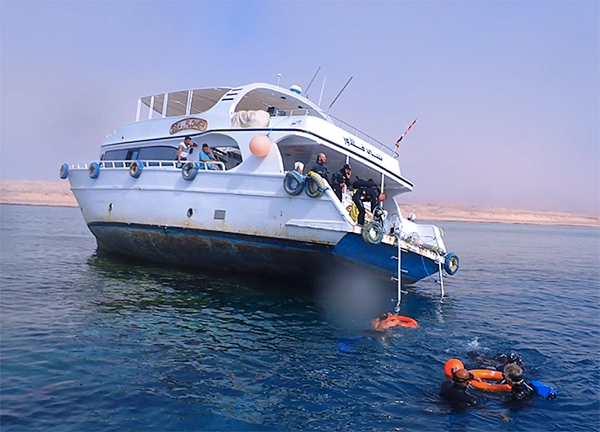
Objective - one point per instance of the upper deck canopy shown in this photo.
(181, 103)
(251, 97)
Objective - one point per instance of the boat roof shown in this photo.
(256, 96)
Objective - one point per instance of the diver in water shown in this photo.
(523, 389)
(455, 391)
(382, 323)
(499, 361)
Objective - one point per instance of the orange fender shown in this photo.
(401, 321)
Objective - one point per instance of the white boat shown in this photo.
(244, 212)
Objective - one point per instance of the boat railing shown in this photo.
(364, 136)
(146, 163)
(339, 123)
(126, 164)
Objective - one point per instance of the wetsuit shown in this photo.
(499, 361)
(457, 394)
(521, 391)
(365, 190)
(337, 179)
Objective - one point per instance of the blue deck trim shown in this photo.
(381, 258)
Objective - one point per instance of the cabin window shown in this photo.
(158, 153)
(144, 153)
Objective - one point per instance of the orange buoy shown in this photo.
(452, 365)
(260, 145)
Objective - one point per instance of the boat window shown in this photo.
(115, 155)
(144, 153)
(158, 153)
(224, 148)
(178, 102)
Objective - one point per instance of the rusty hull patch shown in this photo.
(212, 250)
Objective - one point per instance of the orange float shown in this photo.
(401, 321)
(485, 375)
(489, 375)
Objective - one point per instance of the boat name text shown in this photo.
(351, 143)
(189, 123)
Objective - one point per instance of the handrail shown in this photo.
(125, 164)
(363, 135)
(342, 125)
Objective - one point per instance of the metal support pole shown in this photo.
(441, 277)
(397, 308)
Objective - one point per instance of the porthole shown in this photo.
(190, 212)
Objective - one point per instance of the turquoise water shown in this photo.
(89, 343)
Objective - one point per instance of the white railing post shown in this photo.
(151, 107)
(139, 110)
(188, 108)
(165, 102)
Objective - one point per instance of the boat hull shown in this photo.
(220, 251)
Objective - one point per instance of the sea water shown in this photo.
(93, 343)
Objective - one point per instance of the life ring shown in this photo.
(94, 170)
(189, 171)
(64, 171)
(401, 321)
(452, 263)
(483, 374)
(489, 375)
(293, 183)
(135, 169)
(314, 185)
(372, 232)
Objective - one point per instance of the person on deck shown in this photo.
(320, 166)
(299, 167)
(206, 155)
(340, 180)
(184, 148)
(456, 392)
(366, 190)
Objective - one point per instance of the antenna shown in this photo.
(341, 91)
(322, 88)
(278, 79)
(311, 81)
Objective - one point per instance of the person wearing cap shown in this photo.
(184, 148)
(455, 391)
(341, 179)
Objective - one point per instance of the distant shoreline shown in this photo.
(57, 193)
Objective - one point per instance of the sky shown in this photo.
(506, 93)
